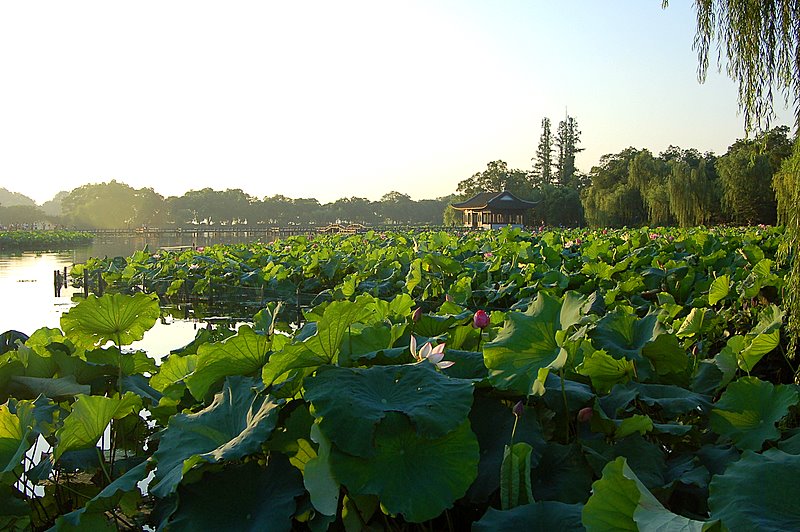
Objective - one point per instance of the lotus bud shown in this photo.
(585, 414)
(518, 409)
(480, 320)
(448, 298)
(416, 315)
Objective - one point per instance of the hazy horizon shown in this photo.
(338, 100)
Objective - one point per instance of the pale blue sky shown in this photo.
(336, 99)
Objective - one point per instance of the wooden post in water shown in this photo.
(57, 283)
(100, 284)
(65, 276)
(85, 284)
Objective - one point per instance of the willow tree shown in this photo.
(760, 42)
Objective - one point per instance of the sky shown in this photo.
(338, 99)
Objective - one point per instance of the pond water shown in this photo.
(29, 300)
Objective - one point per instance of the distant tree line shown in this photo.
(635, 187)
(115, 205)
(554, 181)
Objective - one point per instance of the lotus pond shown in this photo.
(618, 380)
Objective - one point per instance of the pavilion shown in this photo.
(493, 210)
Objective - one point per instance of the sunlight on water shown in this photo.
(29, 302)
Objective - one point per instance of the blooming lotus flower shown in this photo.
(434, 355)
(480, 320)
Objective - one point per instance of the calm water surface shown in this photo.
(29, 301)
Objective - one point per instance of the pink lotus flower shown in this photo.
(480, 320)
(585, 414)
(416, 315)
(518, 409)
(488, 255)
(434, 355)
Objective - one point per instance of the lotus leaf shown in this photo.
(233, 426)
(624, 335)
(245, 498)
(89, 418)
(757, 492)
(719, 289)
(515, 476)
(748, 410)
(242, 354)
(620, 501)
(412, 475)
(175, 368)
(352, 401)
(13, 440)
(527, 342)
(105, 501)
(606, 371)
(562, 474)
(111, 318)
(318, 476)
(541, 516)
(32, 387)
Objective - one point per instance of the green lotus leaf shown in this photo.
(105, 501)
(492, 422)
(541, 516)
(14, 441)
(624, 335)
(336, 319)
(245, 498)
(719, 289)
(233, 426)
(748, 410)
(89, 418)
(673, 400)
(527, 341)
(645, 458)
(242, 354)
(695, 323)
(631, 425)
(116, 318)
(562, 474)
(606, 371)
(135, 363)
(515, 476)
(318, 476)
(351, 402)
(323, 346)
(32, 387)
(666, 354)
(764, 337)
(757, 492)
(292, 357)
(412, 475)
(620, 501)
(175, 368)
(432, 325)
(9, 339)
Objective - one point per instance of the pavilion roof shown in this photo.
(495, 200)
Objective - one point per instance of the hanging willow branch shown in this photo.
(760, 42)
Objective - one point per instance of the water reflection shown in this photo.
(28, 295)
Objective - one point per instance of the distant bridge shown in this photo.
(255, 231)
